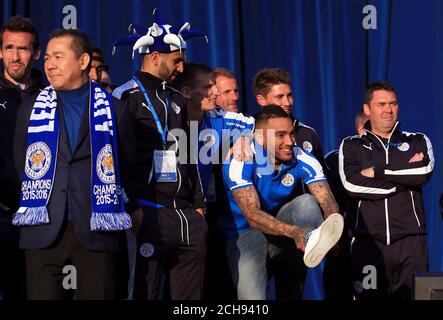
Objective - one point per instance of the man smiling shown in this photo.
(267, 220)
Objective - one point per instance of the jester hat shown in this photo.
(159, 37)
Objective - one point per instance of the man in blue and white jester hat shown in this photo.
(73, 205)
(170, 228)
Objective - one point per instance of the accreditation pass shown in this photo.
(165, 166)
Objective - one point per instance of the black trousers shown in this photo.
(95, 271)
(171, 244)
(12, 260)
(337, 274)
(218, 280)
(394, 266)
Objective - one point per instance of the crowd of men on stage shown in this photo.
(160, 189)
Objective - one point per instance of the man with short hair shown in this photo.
(69, 148)
(273, 86)
(100, 71)
(217, 130)
(227, 85)
(268, 219)
(385, 169)
(171, 229)
(19, 47)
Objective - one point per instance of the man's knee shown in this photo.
(303, 211)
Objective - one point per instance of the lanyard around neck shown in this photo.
(158, 124)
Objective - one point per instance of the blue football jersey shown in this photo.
(217, 130)
(274, 188)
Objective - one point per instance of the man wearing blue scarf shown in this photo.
(68, 144)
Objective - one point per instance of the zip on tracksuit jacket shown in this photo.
(390, 204)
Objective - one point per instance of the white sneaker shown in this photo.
(323, 239)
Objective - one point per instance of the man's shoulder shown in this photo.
(356, 143)
(118, 105)
(29, 101)
(125, 90)
(305, 128)
(306, 136)
(355, 139)
(415, 136)
(304, 157)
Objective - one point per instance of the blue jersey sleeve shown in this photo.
(236, 125)
(233, 120)
(310, 169)
(238, 174)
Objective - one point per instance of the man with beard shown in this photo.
(19, 47)
(269, 220)
(170, 228)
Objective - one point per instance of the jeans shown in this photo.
(248, 254)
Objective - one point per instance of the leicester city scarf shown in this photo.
(41, 156)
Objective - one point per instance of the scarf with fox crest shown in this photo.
(107, 203)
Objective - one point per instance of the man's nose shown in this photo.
(215, 90)
(180, 66)
(289, 141)
(17, 55)
(286, 101)
(233, 95)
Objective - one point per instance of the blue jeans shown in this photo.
(248, 253)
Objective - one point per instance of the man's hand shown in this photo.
(299, 237)
(137, 219)
(201, 211)
(241, 150)
(417, 157)
(369, 172)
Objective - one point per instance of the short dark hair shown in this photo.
(98, 53)
(21, 24)
(375, 86)
(80, 42)
(189, 74)
(266, 78)
(270, 111)
(223, 72)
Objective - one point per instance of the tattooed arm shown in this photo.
(249, 203)
(322, 193)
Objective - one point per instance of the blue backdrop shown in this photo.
(323, 43)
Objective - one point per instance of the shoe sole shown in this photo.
(330, 232)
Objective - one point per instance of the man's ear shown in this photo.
(84, 60)
(261, 100)
(155, 58)
(366, 110)
(186, 92)
(37, 53)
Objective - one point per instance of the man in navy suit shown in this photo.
(67, 238)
